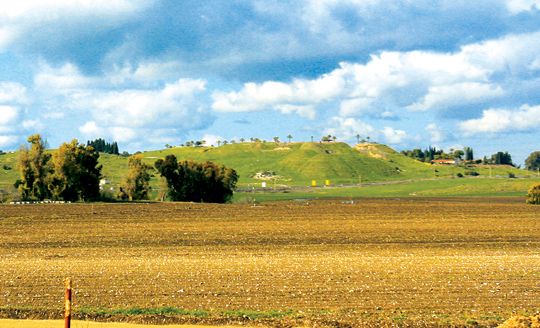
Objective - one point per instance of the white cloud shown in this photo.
(41, 18)
(64, 80)
(29, 7)
(91, 130)
(137, 108)
(436, 133)
(516, 6)
(392, 136)
(8, 114)
(303, 111)
(212, 139)
(123, 134)
(346, 129)
(460, 93)
(352, 107)
(12, 92)
(33, 124)
(300, 93)
(125, 115)
(502, 121)
(7, 141)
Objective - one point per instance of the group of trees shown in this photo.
(432, 153)
(467, 154)
(500, 158)
(532, 163)
(104, 147)
(71, 173)
(197, 182)
(136, 186)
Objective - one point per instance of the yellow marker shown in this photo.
(313, 183)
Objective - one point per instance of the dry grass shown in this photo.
(377, 262)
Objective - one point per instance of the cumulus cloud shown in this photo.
(437, 134)
(12, 92)
(516, 6)
(9, 114)
(124, 115)
(393, 136)
(8, 119)
(458, 94)
(503, 121)
(347, 128)
(251, 40)
(476, 75)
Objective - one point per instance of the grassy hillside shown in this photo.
(296, 164)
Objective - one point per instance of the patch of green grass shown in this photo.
(142, 311)
(271, 314)
(472, 187)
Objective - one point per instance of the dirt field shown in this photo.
(378, 262)
(10, 323)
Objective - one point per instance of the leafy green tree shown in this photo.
(76, 173)
(34, 168)
(458, 153)
(532, 163)
(289, 137)
(501, 158)
(136, 186)
(533, 196)
(197, 182)
(469, 154)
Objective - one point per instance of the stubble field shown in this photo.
(378, 262)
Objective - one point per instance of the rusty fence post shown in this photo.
(68, 303)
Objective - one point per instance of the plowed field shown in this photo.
(376, 262)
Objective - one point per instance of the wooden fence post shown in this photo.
(68, 303)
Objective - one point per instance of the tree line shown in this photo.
(104, 147)
(467, 155)
(72, 173)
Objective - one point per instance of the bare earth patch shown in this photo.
(379, 262)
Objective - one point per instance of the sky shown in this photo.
(149, 73)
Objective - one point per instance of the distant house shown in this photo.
(444, 161)
(104, 181)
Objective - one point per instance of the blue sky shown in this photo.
(146, 73)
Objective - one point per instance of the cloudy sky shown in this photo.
(145, 73)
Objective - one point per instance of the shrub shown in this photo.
(459, 175)
(471, 173)
(533, 196)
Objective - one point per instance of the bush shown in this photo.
(472, 173)
(459, 175)
(533, 196)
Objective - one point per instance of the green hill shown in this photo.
(293, 164)
(298, 164)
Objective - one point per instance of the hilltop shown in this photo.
(290, 164)
(298, 164)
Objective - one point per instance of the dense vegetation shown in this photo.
(190, 181)
(104, 147)
(71, 173)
